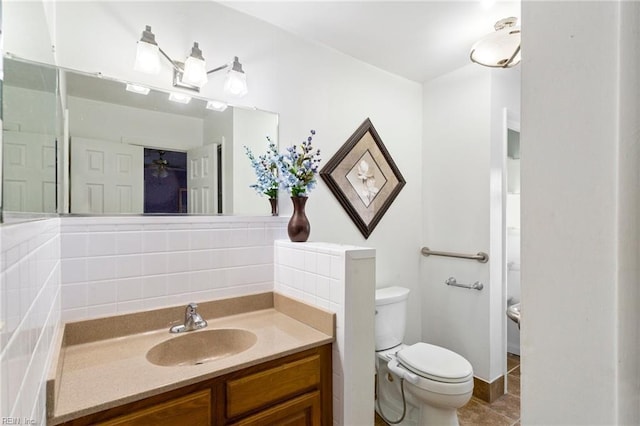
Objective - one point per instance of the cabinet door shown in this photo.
(301, 411)
(193, 410)
(264, 388)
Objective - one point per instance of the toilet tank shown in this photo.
(391, 316)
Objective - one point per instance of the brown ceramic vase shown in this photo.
(299, 227)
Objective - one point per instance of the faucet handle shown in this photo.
(192, 320)
(189, 312)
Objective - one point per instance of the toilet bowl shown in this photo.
(435, 381)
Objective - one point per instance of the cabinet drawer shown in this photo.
(193, 409)
(301, 411)
(272, 385)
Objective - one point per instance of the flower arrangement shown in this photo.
(295, 171)
(266, 167)
(299, 167)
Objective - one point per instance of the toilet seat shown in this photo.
(429, 385)
(435, 363)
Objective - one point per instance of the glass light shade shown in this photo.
(236, 83)
(195, 72)
(216, 105)
(141, 90)
(179, 98)
(497, 49)
(147, 58)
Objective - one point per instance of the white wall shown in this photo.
(580, 139)
(628, 227)
(250, 128)
(117, 123)
(27, 29)
(310, 86)
(29, 315)
(463, 145)
(457, 117)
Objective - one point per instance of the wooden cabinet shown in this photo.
(193, 409)
(275, 384)
(301, 411)
(294, 391)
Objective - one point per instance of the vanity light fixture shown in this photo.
(236, 82)
(500, 49)
(147, 58)
(192, 74)
(180, 98)
(216, 106)
(141, 90)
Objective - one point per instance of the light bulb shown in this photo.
(236, 83)
(147, 58)
(147, 53)
(195, 68)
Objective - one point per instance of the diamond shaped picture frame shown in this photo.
(363, 177)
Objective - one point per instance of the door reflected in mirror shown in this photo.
(125, 150)
(30, 128)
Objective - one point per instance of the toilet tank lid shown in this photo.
(387, 295)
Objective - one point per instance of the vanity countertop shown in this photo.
(102, 363)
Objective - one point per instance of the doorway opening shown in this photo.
(165, 181)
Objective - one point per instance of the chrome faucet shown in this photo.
(192, 320)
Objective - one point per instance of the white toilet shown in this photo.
(437, 381)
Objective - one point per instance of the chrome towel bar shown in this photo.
(480, 257)
(475, 286)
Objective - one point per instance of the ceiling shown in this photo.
(418, 40)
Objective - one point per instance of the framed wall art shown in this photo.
(363, 177)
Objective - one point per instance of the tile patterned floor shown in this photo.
(505, 411)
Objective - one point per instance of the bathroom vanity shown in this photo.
(263, 359)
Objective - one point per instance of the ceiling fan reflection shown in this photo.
(160, 167)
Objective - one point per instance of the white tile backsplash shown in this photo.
(101, 268)
(101, 292)
(126, 242)
(340, 279)
(29, 314)
(142, 262)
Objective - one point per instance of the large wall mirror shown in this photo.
(31, 128)
(86, 144)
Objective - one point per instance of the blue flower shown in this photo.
(299, 167)
(266, 167)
